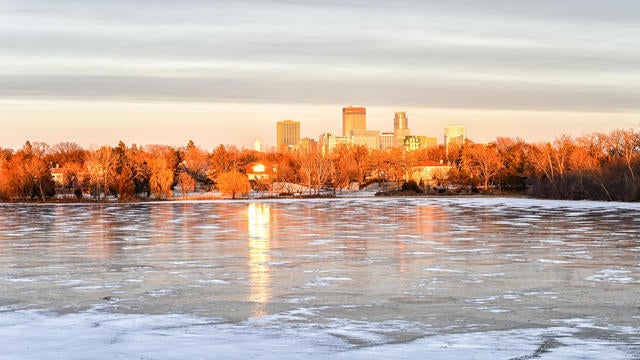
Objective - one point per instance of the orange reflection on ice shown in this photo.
(258, 218)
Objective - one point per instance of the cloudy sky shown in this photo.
(159, 71)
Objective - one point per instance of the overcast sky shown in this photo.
(158, 71)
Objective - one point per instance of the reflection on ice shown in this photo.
(259, 218)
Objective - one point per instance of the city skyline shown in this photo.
(96, 73)
(211, 134)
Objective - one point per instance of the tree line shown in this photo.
(595, 166)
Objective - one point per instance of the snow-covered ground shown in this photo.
(100, 335)
(355, 278)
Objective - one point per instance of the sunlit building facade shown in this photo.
(400, 127)
(416, 142)
(368, 138)
(288, 134)
(260, 171)
(429, 141)
(308, 145)
(387, 140)
(454, 135)
(353, 118)
(323, 143)
(430, 173)
(412, 143)
(258, 145)
(336, 141)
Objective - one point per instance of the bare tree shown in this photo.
(101, 166)
(222, 160)
(625, 144)
(315, 169)
(482, 162)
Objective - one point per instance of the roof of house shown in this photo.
(256, 167)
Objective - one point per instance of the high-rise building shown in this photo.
(454, 135)
(323, 143)
(308, 145)
(400, 127)
(415, 142)
(428, 142)
(368, 138)
(387, 140)
(288, 134)
(353, 118)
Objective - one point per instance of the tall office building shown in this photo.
(308, 144)
(400, 127)
(288, 135)
(454, 135)
(387, 140)
(323, 143)
(353, 118)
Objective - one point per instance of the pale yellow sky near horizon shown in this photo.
(95, 123)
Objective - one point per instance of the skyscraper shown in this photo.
(400, 120)
(353, 118)
(288, 134)
(400, 127)
(454, 135)
(323, 143)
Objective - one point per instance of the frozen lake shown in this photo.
(482, 278)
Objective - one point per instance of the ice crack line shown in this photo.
(546, 345)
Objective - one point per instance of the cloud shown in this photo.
(496, 53)
(276, 89)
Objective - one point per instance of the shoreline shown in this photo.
(352, 195)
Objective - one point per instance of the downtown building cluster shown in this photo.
(354, 131)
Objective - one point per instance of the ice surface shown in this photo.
(350, 278)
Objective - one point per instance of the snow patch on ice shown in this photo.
(161, 292)
(326, 281)
(615, 275)
(593, 324)
(108, 336)
(489, 274)
(214, 281)
(301, 300)
(438, 269)
(549, 261)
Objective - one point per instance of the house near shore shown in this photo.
(430, 173)
(57, 174)
(257, 171)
